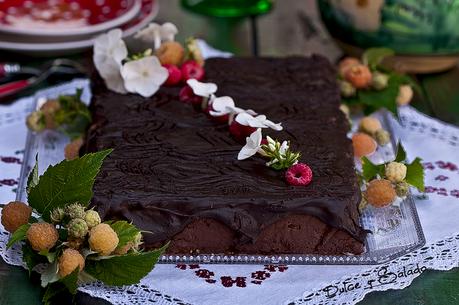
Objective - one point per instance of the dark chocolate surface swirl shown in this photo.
(171, 165)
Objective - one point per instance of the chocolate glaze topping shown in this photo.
(172, 165)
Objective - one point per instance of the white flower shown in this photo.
(259, 121)
(144, 76)
(155, 33)
(252, 146)
(202, 89)
(109, 51)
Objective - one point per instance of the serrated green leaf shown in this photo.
(415, 174)
(386, 98)
(370, 170)
(31, 258)
(66, 182)
(52, 295)
(71, 281)
(49, 275)
(126, 232)
(33, 178)
(125, 269)
(401, 153)
(55, 292)
(18, 235)
(374, 56)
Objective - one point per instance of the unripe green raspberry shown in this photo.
(346, 88)
(402, 189)
(57, 215)
(36, 121)
(77, 228)
(382, 137)
(395, 172)
(92, 218)
(379, 80)
(75, 210)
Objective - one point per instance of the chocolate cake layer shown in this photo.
(174, 172)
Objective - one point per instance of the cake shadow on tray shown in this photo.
(174, 172)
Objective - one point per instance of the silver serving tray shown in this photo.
(396, 228)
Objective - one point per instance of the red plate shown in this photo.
(65, 17)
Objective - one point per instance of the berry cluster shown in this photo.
(369, 135)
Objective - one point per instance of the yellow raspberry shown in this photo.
(49, 110)
(395, 171)
(347, 63)
(42, 236)
(382, 137)
(405, 94)
(380, 193)
(72, 150)
(369, 125)
(364, 145)
(15, 214)
(69, 261)
(170, 52)
(92, 218)
(103, 239)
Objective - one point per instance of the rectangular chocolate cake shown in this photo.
(175, 173)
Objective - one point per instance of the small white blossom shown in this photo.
(144, 76)
(155, 33)
(252, 146)
(259, 121)
(109, 52)
(202, 89)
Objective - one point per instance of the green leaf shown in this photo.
(370, 170)
(374, 56)
(415, 174)
(125, 269)
(31, 258)
(66, 182)
(18, 235)
(49, 275)
(401, 153)
(71, 281)
(126, 232)
(33, 178)
(386, 98)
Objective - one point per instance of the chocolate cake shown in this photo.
(174, 172)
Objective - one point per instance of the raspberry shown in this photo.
(92, 218)
(379, 80)
(346, 89)
(74, 243)
(192, 69)
(77, 228)
(369, 125)
(359, 76)
(49, 110)
(69, 261)
(380, 193)
(346, 63)
(170, 52)
(103, 239)
(405, 94)
(133, 244)
(364, 145)
(402, 189)
(382, 137)
(175, 75)
(72, 150)
(57, 215)
(42, 236)
(75, 210)
(240, 132)
(36, 121)
(187, 95)
(15, 214)
(298, 174)
(395, 171)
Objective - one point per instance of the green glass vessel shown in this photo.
(228, 8)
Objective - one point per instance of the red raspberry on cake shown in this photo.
(187, 95)
(191, 69)
(175, 75)
(298, 174)
(240, 132)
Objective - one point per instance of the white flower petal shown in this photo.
(202, 89)
(109, 70)
(143, 76)
(252, 145)
(221, 106)
(111, 45)
(246, 119)
(168, 31)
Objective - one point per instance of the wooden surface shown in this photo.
(293, 28)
